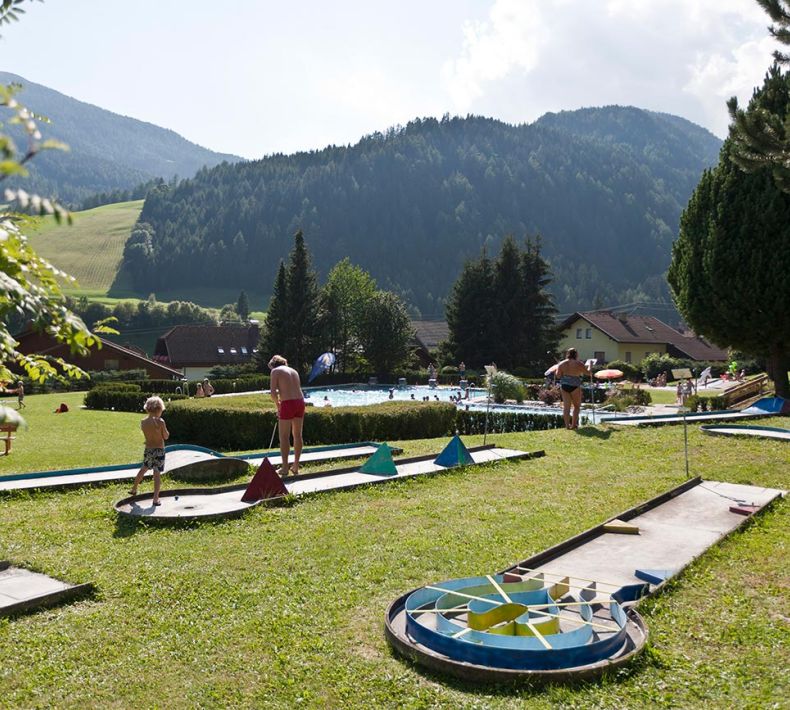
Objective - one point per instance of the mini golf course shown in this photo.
(764, 432)
(266, 486)
(569, 612)
(179, 456)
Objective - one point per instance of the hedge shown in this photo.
(121, 400)
(700, 403)
(238, 429)
(473, 422)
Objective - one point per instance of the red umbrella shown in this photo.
(609, 374)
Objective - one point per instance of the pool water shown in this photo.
(361, 395)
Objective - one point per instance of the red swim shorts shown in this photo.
(291, 409)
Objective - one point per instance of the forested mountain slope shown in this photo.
(108, 151)
(604, 187)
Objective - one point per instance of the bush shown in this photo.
(98, 376)
(248, 383)
(550, 395)
(117, 387)
(700, 403)
(239, 429)
(622, 399)
(655, 364)
(505, 386)
(121, 400)
(473, 422)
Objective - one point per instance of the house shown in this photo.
(427, 336)
(110, 356)
(608, 336)
(195, 349)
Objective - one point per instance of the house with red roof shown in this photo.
(608, 336)
(195, 349)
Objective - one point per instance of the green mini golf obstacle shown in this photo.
(454, 454)
(380, 463)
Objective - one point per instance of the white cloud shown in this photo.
(677, 56)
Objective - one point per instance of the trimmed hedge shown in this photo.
(238, 429)
(121, 400)
(700, 403)
(117, 387)
(473, 422)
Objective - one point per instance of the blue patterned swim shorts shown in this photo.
(154, 459)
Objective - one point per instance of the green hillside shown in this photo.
(91, 249)
(108, 152)
(603, 187)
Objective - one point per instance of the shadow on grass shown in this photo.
(529, 687)
(593, 432)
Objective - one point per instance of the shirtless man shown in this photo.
(286, 391)
(155, 433)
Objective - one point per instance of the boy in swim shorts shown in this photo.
(155, 433)
(286, 391)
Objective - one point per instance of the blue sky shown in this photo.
(258, 77)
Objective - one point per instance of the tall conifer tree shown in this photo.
(301, 305)
(273, 337)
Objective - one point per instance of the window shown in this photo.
(578, 333)
(628, 356)
(588, 334)
(233, 351)
(111, 364)
(600, 356)
(221, 351)
(243, 349)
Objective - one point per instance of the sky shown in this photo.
(254, 77)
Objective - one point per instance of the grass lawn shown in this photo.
(285, 606)
(92, 247)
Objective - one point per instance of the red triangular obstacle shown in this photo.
(264, 484)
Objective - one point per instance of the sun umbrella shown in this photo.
(321, 365)
(610, 374)
(552, 370)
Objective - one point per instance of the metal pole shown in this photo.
(686, 443)
(488, 404)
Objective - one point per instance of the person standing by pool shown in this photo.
(286, 391)
(570, 372)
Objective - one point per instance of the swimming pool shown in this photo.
(362, 395)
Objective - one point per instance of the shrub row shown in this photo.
(701, 403)
(231, 429)
(473, 422)
(121, 400)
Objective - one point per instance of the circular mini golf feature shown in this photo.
(504, 627)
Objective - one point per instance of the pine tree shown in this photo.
(243, 307)
(273, 335)
(538, 332)
(471, 314)
(510, 305)
(301, 305)
(730, 270)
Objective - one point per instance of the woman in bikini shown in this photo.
(570, 372)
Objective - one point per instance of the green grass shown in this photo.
(91, 249)
(285, 606)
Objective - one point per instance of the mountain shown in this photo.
(603, 187)
(108, 152)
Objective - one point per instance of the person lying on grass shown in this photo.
(155, 433)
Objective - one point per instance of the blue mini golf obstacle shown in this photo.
(454, 454)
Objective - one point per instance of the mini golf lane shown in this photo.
(690, 418)
(568, 613)
(178, 456)
(765, 432)
(207, 503)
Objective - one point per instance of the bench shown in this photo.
(7, 436)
